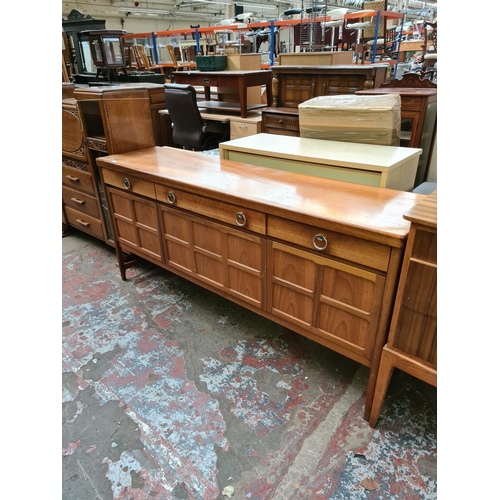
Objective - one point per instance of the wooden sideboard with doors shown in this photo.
(318, 256)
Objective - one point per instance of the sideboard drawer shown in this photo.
(228, 213)
(357, 250)
(84, 222)
(77, 179)
(80, 201)
(282, 124)
(129, 183)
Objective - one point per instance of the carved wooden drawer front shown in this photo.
(228, 259)
(84, 222)
(336, 301)
(367, 253)
(273, 123)
(129, 183)
(136, 221)
(80, 201)
(77, 179)
(228, 213)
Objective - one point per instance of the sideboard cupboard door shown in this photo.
(228, 259)
(327, 298)
(136, 224)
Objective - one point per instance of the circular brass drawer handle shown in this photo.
(240, 219)
(171, 197)
(320, 242)
(126, 183)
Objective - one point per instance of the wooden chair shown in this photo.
(177, 64)
(429, 57)
(142, 60)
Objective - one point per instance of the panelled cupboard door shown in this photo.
(329, 298)
(225, 258)
(136, 223)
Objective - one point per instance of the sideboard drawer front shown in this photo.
(77, 179)
(359, 251)
(273, 123)
(80, 201)
(84, 222)
(129, 183)
(220, 211)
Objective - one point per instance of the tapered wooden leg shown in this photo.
(386, 368)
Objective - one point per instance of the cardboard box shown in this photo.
(352, 118)
(316, 58)
(237, 62)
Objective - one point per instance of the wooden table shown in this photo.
(369, 164)
(412, 343)
(239, 79)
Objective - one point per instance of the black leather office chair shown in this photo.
(189, 130)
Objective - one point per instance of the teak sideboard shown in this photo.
(318, 256)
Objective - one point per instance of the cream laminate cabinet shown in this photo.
(369, 164)
(305, 252)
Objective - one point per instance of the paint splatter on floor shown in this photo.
(172, 392)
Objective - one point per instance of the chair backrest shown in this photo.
(171, 53)
(187, 124)
(141, 57)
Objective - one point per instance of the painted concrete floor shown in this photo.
(171, 392)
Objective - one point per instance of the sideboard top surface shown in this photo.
(324, 152)
(364, 211)
(425, 212)
(332, 68)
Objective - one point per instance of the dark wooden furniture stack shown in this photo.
(304, 251)
(418, 115)
(412, 343)
(292, 85)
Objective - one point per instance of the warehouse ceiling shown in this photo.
(217, 11)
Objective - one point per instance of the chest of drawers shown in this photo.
(81, 207)
(318, 256)
(412, 342)
(293, 84)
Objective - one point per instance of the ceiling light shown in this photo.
(256, 5)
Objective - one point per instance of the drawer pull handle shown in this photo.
(243, 126)
(320, 242)
(71, 178)
(171, 197)
(76, 200)
(280, 122)
(126, 183)
(240, 219)
(83, 223)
